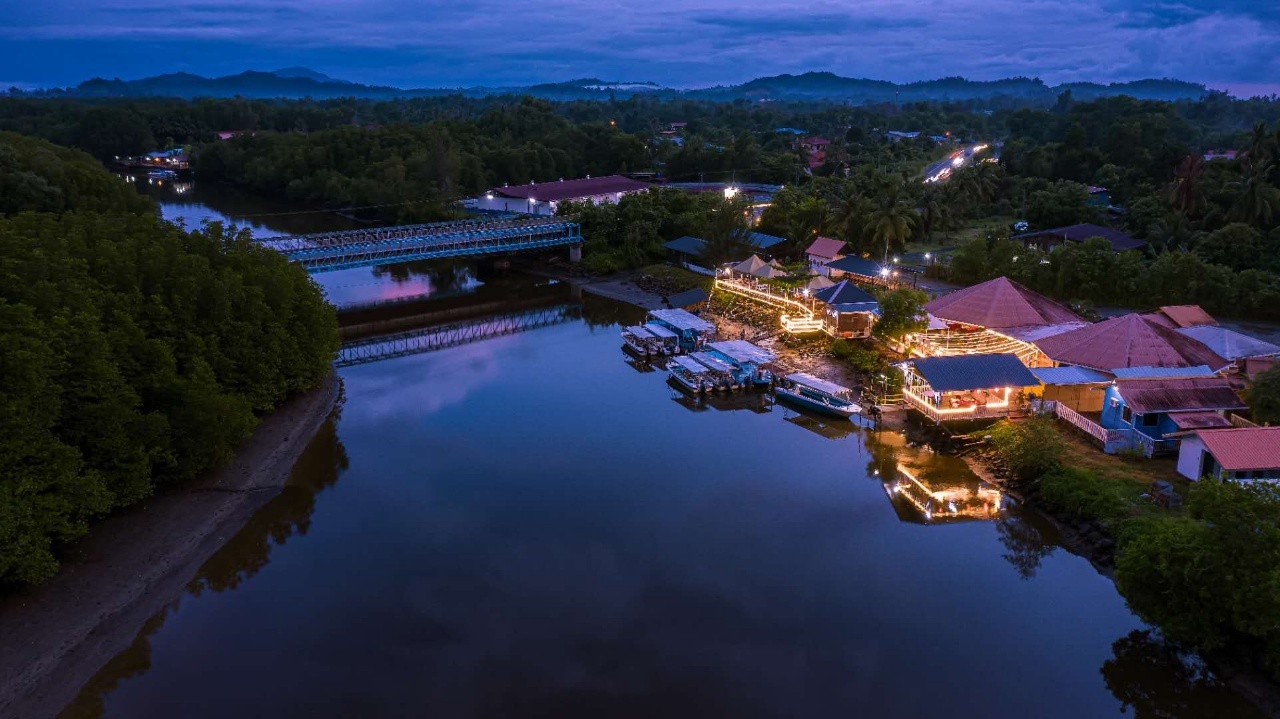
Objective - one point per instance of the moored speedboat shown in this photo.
(722, 373)
(664, 340)
(639, 340)
(818, 395)
(691, 375)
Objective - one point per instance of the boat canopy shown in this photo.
(659, 331)
(743, 351)
(682, 320)
(821, 385)
(643, 333)
(690, 364)
(713, 363)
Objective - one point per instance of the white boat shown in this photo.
(665, 340)
(640, 340)
(817, 394)
(691, 375)
(723, 372)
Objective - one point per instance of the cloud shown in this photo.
(681, 43)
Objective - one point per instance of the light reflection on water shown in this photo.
(528, 526)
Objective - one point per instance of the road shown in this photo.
(942, 169)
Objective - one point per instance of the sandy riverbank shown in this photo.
(55, 637)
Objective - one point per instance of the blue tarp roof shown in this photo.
(1068, 375)
(763, 241)
(970, 372)
(688, 245)
(844, 293)
(857, 266)
(1203, 370)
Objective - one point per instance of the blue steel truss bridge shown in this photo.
(453, 334)
(330, 251)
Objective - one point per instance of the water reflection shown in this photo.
(1028, 538)
(749, 401)
(244, 555)
(1156, 681)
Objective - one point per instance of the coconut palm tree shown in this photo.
(892, 220)
(1257, 200)
(1186, 195)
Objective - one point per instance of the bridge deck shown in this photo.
(385, 245)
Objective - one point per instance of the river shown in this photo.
(534, 525)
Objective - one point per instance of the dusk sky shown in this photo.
(1227, 44)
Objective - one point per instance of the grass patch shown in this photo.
(1127, 478)
(678, 276)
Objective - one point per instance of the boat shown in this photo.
(640, 340)
(665, 340)
(691, 330)
(818, 395)
(723, 373)
(691, 375)
(751, 362)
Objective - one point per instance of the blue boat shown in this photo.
(691, 330)
(691, 375)
(818, 395)
(750, 362)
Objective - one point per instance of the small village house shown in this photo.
(847, 310)
(823, 251)
(1244, 454)
(1161, 407)
(1128, 341)
(964, 387)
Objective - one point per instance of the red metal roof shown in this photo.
(1127, 341)
(1000, 303)
(1178, 395)
(1175, 316)
(1244, 449)
(572, 189)
(825, 247)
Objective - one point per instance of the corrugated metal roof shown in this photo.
(1162, 372)
(712, 362)
(688, 245)
(695, 296)
(1199, 420)
(743, 351)
(1120, 241)
(1031, 333)
(572, 189)
(825, 247)
(844, 293)
(1188, 315)
(1244, 449)
(1068, 375)
(763, 241)
(1230, 344)
(857, 266)
(1127, 341)
(1001, 303)
(1178, 395)
(682, 320)
(968, 372)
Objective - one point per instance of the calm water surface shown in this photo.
(532, 525)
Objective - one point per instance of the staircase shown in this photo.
(797, 318)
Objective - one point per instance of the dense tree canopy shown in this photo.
(132, 353)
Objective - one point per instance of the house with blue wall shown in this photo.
(1161, 407)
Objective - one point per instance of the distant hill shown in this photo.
(299, 82)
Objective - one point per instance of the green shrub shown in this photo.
(1082, 493)
(859, 355)
(602, 263)
(1211, 580)
(1029, 448)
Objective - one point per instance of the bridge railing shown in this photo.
(513, 239)
(383, 234)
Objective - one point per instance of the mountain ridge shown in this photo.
(302, 82)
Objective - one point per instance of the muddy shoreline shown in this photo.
(55, 637)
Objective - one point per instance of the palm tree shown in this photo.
(932, 212)
(892, 220)
(1186, 194)
(1257, 201)
(850, 216)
